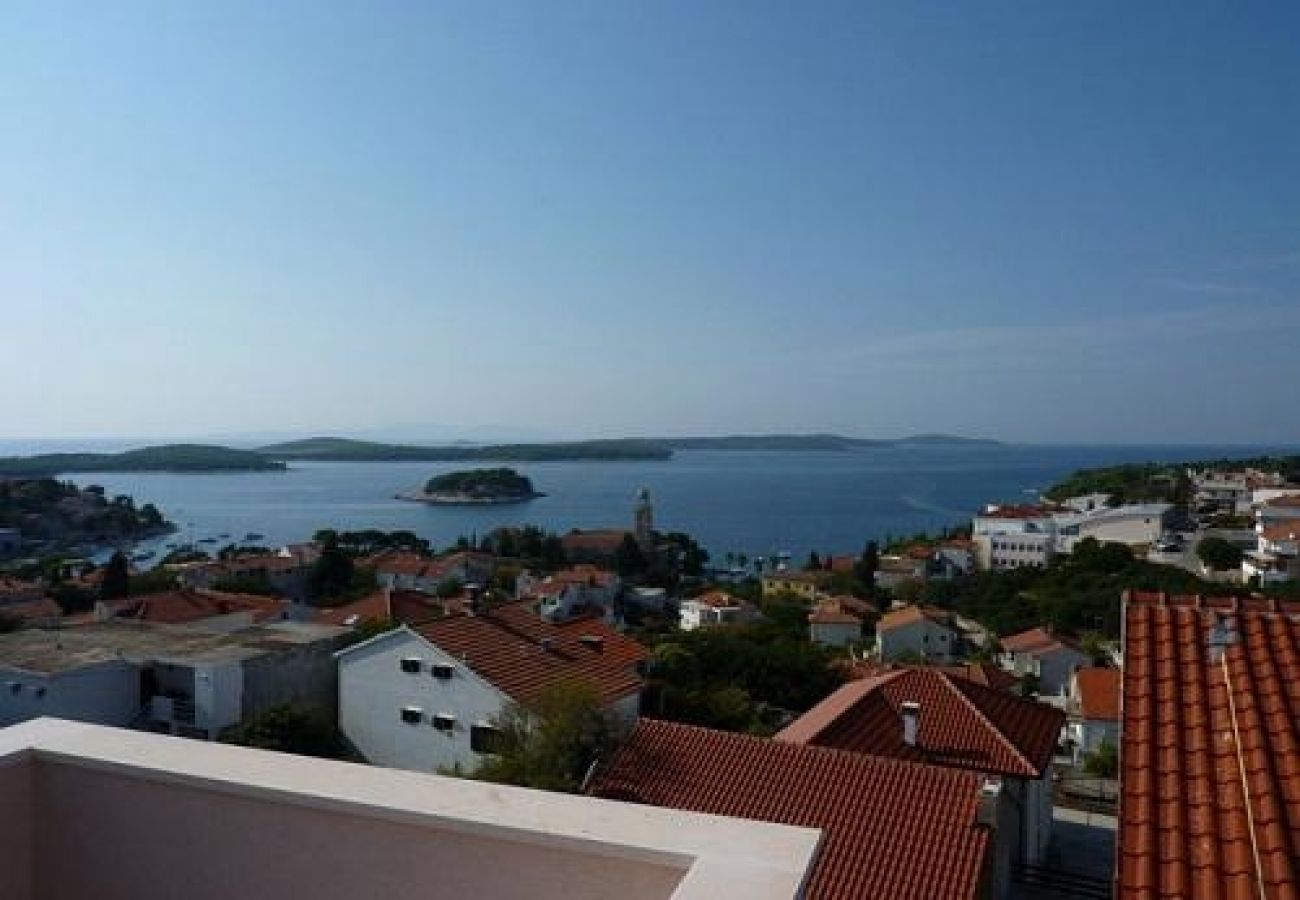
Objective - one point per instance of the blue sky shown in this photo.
(1034, 221)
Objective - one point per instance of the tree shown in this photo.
(331, 576)
(868, 564)
(291, 729)
(814, 562)
(117, 578)
(552, 742)
(628, 558)
(1218, 554)
(1104, 762)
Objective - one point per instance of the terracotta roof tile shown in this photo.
(909, 615)
(962, 724)
(521, 654)
(1210, 780)
(185, 605)
(1035, 642)
(890, 829)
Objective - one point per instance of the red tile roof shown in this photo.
(1210, 774)
(374, 607)
(910, 615)
(402, 562)
(38, 609)
(1035, 642)
(1287, 530)
(829, 614)
(1098, 693)
(962, 724)
(599, 543)
(185, 605)
(521, 654)
(986, 674)
(890, 829)
(719, 600)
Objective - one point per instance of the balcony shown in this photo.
(89, 811)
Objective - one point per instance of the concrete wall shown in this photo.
(305, 675)
(114, 837)
(107, 694)
(16, 834)
(373, 690)
(931, 641)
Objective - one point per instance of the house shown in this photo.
(919, 633)
(427, 697)
(40, 611)
(203, 609)
(1092, 707)
(1209, 784)
(599, 547)
(1276, 557)
(1134, 525)
(174, 679)
(894, 570)
(1015, 535)
(403, 570)
(95, 812)
(902, 830)
(714, 608)
(804, 585)
(837, 621)
(925, 715)
(19, 590)
(578, 590)
(1049, 658)
(956, 557)
(287, 575)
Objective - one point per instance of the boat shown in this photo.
(207, 540)
(253, 536)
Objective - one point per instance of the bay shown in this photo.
(757, 503)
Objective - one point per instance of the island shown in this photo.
(52, 514)
(476, 486)
(337, 449)
(162, 458)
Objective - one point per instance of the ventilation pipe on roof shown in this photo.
(990, 798)
(911, 711)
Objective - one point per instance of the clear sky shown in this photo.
(1044, 221)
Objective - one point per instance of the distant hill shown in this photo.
(162, 458)
(334, 449)
(940, 439)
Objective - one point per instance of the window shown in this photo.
(411, 665)
(484, 738)
(444, 721)
(412, 715)
(442, 670)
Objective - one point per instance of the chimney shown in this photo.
(911, 711)
(990, 798)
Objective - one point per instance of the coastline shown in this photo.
(450, 499)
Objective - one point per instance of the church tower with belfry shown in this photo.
(644, 523)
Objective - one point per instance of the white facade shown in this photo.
(926, 638)
(835, 634)
(106, 694)
(1014, 550)
(383, 680)
(406, 703)
(1052, 667)
(695, 614)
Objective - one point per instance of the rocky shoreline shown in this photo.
(442, 498)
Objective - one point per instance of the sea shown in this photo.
(758, 503)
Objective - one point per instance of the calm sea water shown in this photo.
(752, 502)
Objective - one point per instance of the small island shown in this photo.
(476, 486)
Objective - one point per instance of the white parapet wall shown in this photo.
(87, 810)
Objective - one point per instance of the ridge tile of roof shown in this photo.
(1210, 748)
(962, 724)
(890, 829)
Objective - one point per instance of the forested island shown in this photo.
(474, 486)
(162, 458)
(46, 511)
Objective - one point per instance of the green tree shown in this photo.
(1218, 554)
(291, 729)
(117, 578)
(628, 558)
(331, 575)
(868, 564)
(552, 742)
(1104, 762)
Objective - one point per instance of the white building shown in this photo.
(917, 632)
(1017, 536)
(428, 698)
(1092, 710)
(407, 571)
(166, 678)
(837, 622)
(1135, 525)
(1046, 657)
(578, 590)
(713, 609)
(1276, 557)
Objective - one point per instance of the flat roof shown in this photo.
(52, 650)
